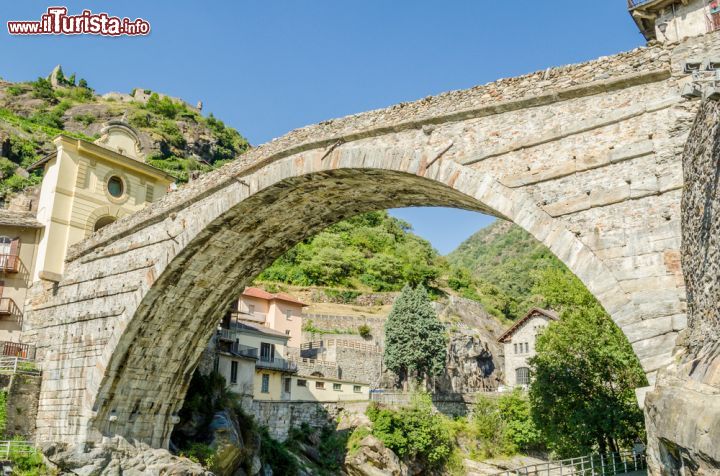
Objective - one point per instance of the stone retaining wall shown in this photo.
(280, 416)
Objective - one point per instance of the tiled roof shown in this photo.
(262, 294)
(20, 219)
(552, 315)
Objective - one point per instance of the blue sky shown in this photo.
(268, 66)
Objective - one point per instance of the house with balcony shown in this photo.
(278, 311)
(253, 360)
(86, 185)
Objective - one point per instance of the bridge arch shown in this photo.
(138, 383)
(589, 167)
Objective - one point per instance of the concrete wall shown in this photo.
(245, 384)
(683, 21)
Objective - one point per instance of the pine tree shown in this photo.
(415, 340)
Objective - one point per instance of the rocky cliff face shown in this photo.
(683, 412)
(474, 361)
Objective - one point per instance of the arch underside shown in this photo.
(176, 318)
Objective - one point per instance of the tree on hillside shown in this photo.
(415, 340)
(584, 374)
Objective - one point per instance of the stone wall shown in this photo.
(345, 323)
(583, 157)
(23, 393)
(279, 417)
(683, 412)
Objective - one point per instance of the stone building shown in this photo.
(674, 20)
(85, 186)
(519, 344)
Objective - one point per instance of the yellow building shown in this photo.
(89, 185)
(85, 186)
(242, 342)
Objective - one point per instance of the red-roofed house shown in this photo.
(519, 344)
(280, 312)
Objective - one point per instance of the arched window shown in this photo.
(103, 221)
(522, 376)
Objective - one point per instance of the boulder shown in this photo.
(372, 458)
(227, 442)
(118, 456)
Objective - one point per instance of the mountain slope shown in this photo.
(507, 259)
(174, 135)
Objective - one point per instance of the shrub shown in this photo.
(414, 432)
(164, 106)
(23, 151)
(200, 453)
(142, 118)
(42, 89)
(364, 331)
(172, 135)
(7, 167)
(15, 90)
(276, 455)
(85, 119)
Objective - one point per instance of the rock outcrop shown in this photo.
(372, 458)
(683, 412)
(118, 456)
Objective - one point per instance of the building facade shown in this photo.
(519, 345)
(279, 311)
(253, 360)
(85, 186)
(674, 20)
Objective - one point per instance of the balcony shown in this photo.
(243, 350)
(276, 363)
(9, 308)
(636, 3)
(259, 317)
(9, 263)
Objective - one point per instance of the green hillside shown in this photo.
(176, 137)
(505, 263)
(371, 251)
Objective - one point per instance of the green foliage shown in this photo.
(32, 127)
(23, 151)
(83, 84)
(15, 90)
(53, 117)
(372, 249)
(584, 374)
(308, 326)
(42, 89)
(276, 455)
(199, 453)
(85, 119)
(342, 296)
(165, 106)
(364, 331)
(413, 433)
(27, 461)
(178, 167)
(520, 432)
(229, 141)
(140, 118)
(504, 261)
(353, 443)
(7, 167)
(415, 340)
(3, 411)
(172, 134)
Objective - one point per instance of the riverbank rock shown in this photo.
(118, 456)
(372, 458)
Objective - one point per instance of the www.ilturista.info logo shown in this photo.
(57, 22)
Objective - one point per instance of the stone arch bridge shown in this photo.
(584, 157)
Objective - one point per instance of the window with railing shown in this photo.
(9, 254)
